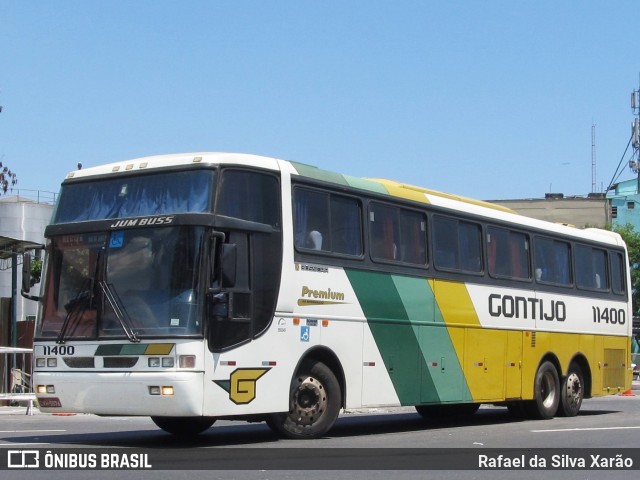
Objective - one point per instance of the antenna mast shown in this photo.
(593, 158)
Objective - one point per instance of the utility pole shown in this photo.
(634, 163)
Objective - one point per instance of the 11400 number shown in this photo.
(58, 350)
(614, 316)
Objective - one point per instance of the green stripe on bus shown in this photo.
(365, 184)
(443, 380)
(412, 337)
(332, 177)
(319, 174)
(393, 333)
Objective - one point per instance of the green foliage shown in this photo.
(36, 271)
(632, 239)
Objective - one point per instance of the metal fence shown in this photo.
(16, 386)
(37, 196)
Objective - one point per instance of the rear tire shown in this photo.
(184, 425)
(315, 400)
(546, 392)
(572, 392)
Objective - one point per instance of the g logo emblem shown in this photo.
(242, 384)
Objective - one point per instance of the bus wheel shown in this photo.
(572, 392)
(314, 403)
(546, 392)
(184, 425)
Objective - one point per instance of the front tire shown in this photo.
(314, 403)
(184, 425)
(572, 392)
(546, 392)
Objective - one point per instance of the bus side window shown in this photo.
(617, 273)
(470, 247)
(346, 225)
(250, 196)
(384, 231)
(552, 261)
(327, 222)
(413, 230)
(445, 243)
(457, 245)
(508, 253)
(311, 216)
(591, 268)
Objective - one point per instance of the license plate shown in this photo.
(50, 402)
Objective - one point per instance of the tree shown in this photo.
(632, 239)
(7, 179)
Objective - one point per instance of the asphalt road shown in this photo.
(606, 425)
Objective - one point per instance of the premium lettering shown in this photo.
(321, 294)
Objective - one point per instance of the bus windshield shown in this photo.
(130, 283)
(160, 193)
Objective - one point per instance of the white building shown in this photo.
(23, 218)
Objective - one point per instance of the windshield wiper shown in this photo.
(75, 308)
(121, 313)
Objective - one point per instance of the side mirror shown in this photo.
(228, 264)
(26, 277)
(26, 272)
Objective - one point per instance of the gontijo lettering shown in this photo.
(526, 308)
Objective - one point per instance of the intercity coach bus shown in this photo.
(206, 286)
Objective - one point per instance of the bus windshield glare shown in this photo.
(161, 193)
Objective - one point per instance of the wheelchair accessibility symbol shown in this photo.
(304, 334)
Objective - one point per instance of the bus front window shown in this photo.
(128, 283)
(153, 275)
(70, 305)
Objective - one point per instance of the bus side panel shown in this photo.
(441, 379)
(513, 365)
(616, 365)
(414, 343)
(393, 333)
(480, 351)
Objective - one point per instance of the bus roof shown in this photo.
(380, 186)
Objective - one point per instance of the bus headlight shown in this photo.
(45, 389)
(158, 390)
(167, 390)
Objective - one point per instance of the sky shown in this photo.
(490, 99)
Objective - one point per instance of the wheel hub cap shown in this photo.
(309, 401)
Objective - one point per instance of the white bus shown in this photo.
(206, 286)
